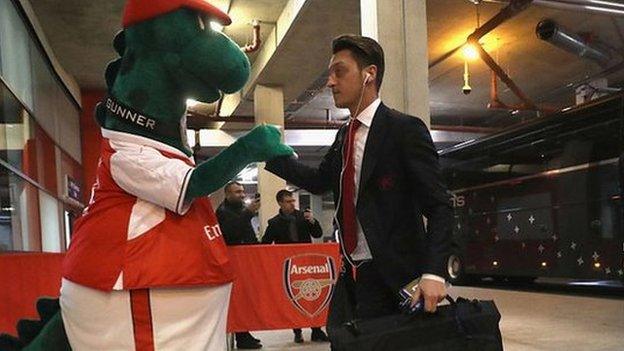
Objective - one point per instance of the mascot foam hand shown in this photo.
(261, 144)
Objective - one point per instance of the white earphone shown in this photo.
(367, 77)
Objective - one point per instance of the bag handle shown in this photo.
(460, 325)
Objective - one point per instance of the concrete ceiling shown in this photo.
(541, 70)
(80, 33)
(300, 60)
(243, 12)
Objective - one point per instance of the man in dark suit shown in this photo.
(235, 221)
(293, 226)
(235, 216)
(385, 176)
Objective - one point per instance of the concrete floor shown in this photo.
(531, 322)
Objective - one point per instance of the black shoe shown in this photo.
(245, 341)
(253, 338)
(248, 345)
(319, 336)
(246, 337)
(299, 338)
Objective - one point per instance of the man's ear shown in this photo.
(371, 74)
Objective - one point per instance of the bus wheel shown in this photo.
(455, 269)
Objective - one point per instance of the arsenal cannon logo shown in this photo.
(309, 282)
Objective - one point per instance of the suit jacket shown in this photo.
(278, 230)
(235, 222)
(400, 182)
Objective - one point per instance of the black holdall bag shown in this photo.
(466, 325)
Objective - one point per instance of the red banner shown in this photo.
(282, 286)
(277, 286)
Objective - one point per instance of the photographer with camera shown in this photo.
(294, 226)
(235, 215)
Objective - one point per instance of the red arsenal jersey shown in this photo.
(138, 230)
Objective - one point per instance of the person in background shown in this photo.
(293, 226)
(234, 218)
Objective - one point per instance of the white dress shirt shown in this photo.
(362, 251)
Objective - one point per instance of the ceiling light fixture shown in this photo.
(606, 3)
(607, 10)
(470, 53)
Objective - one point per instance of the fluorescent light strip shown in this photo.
(602, 9)
(606, 3)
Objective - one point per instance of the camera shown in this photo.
(466, 89)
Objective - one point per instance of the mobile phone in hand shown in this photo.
(406, 294)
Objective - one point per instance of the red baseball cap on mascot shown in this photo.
(141, 10)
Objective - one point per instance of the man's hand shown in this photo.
(432, 292)
(307, 214)
(254, 206)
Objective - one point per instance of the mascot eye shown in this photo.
(202, 22)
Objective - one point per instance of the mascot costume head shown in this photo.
(169, 53)
(147, 268)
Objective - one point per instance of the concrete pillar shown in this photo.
(268, 108)
(400, 26)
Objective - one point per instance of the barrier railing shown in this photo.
(277, 286)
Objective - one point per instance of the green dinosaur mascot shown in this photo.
(147, 268)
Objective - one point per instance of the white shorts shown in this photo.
(192, 319)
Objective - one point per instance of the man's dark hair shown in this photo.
(282, 194)
(365, 50)
(230, 184)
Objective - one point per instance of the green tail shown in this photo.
(51, 338)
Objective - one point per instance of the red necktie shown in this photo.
(349, 224)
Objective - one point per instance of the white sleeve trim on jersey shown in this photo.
(183, 204)
(145, 173)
